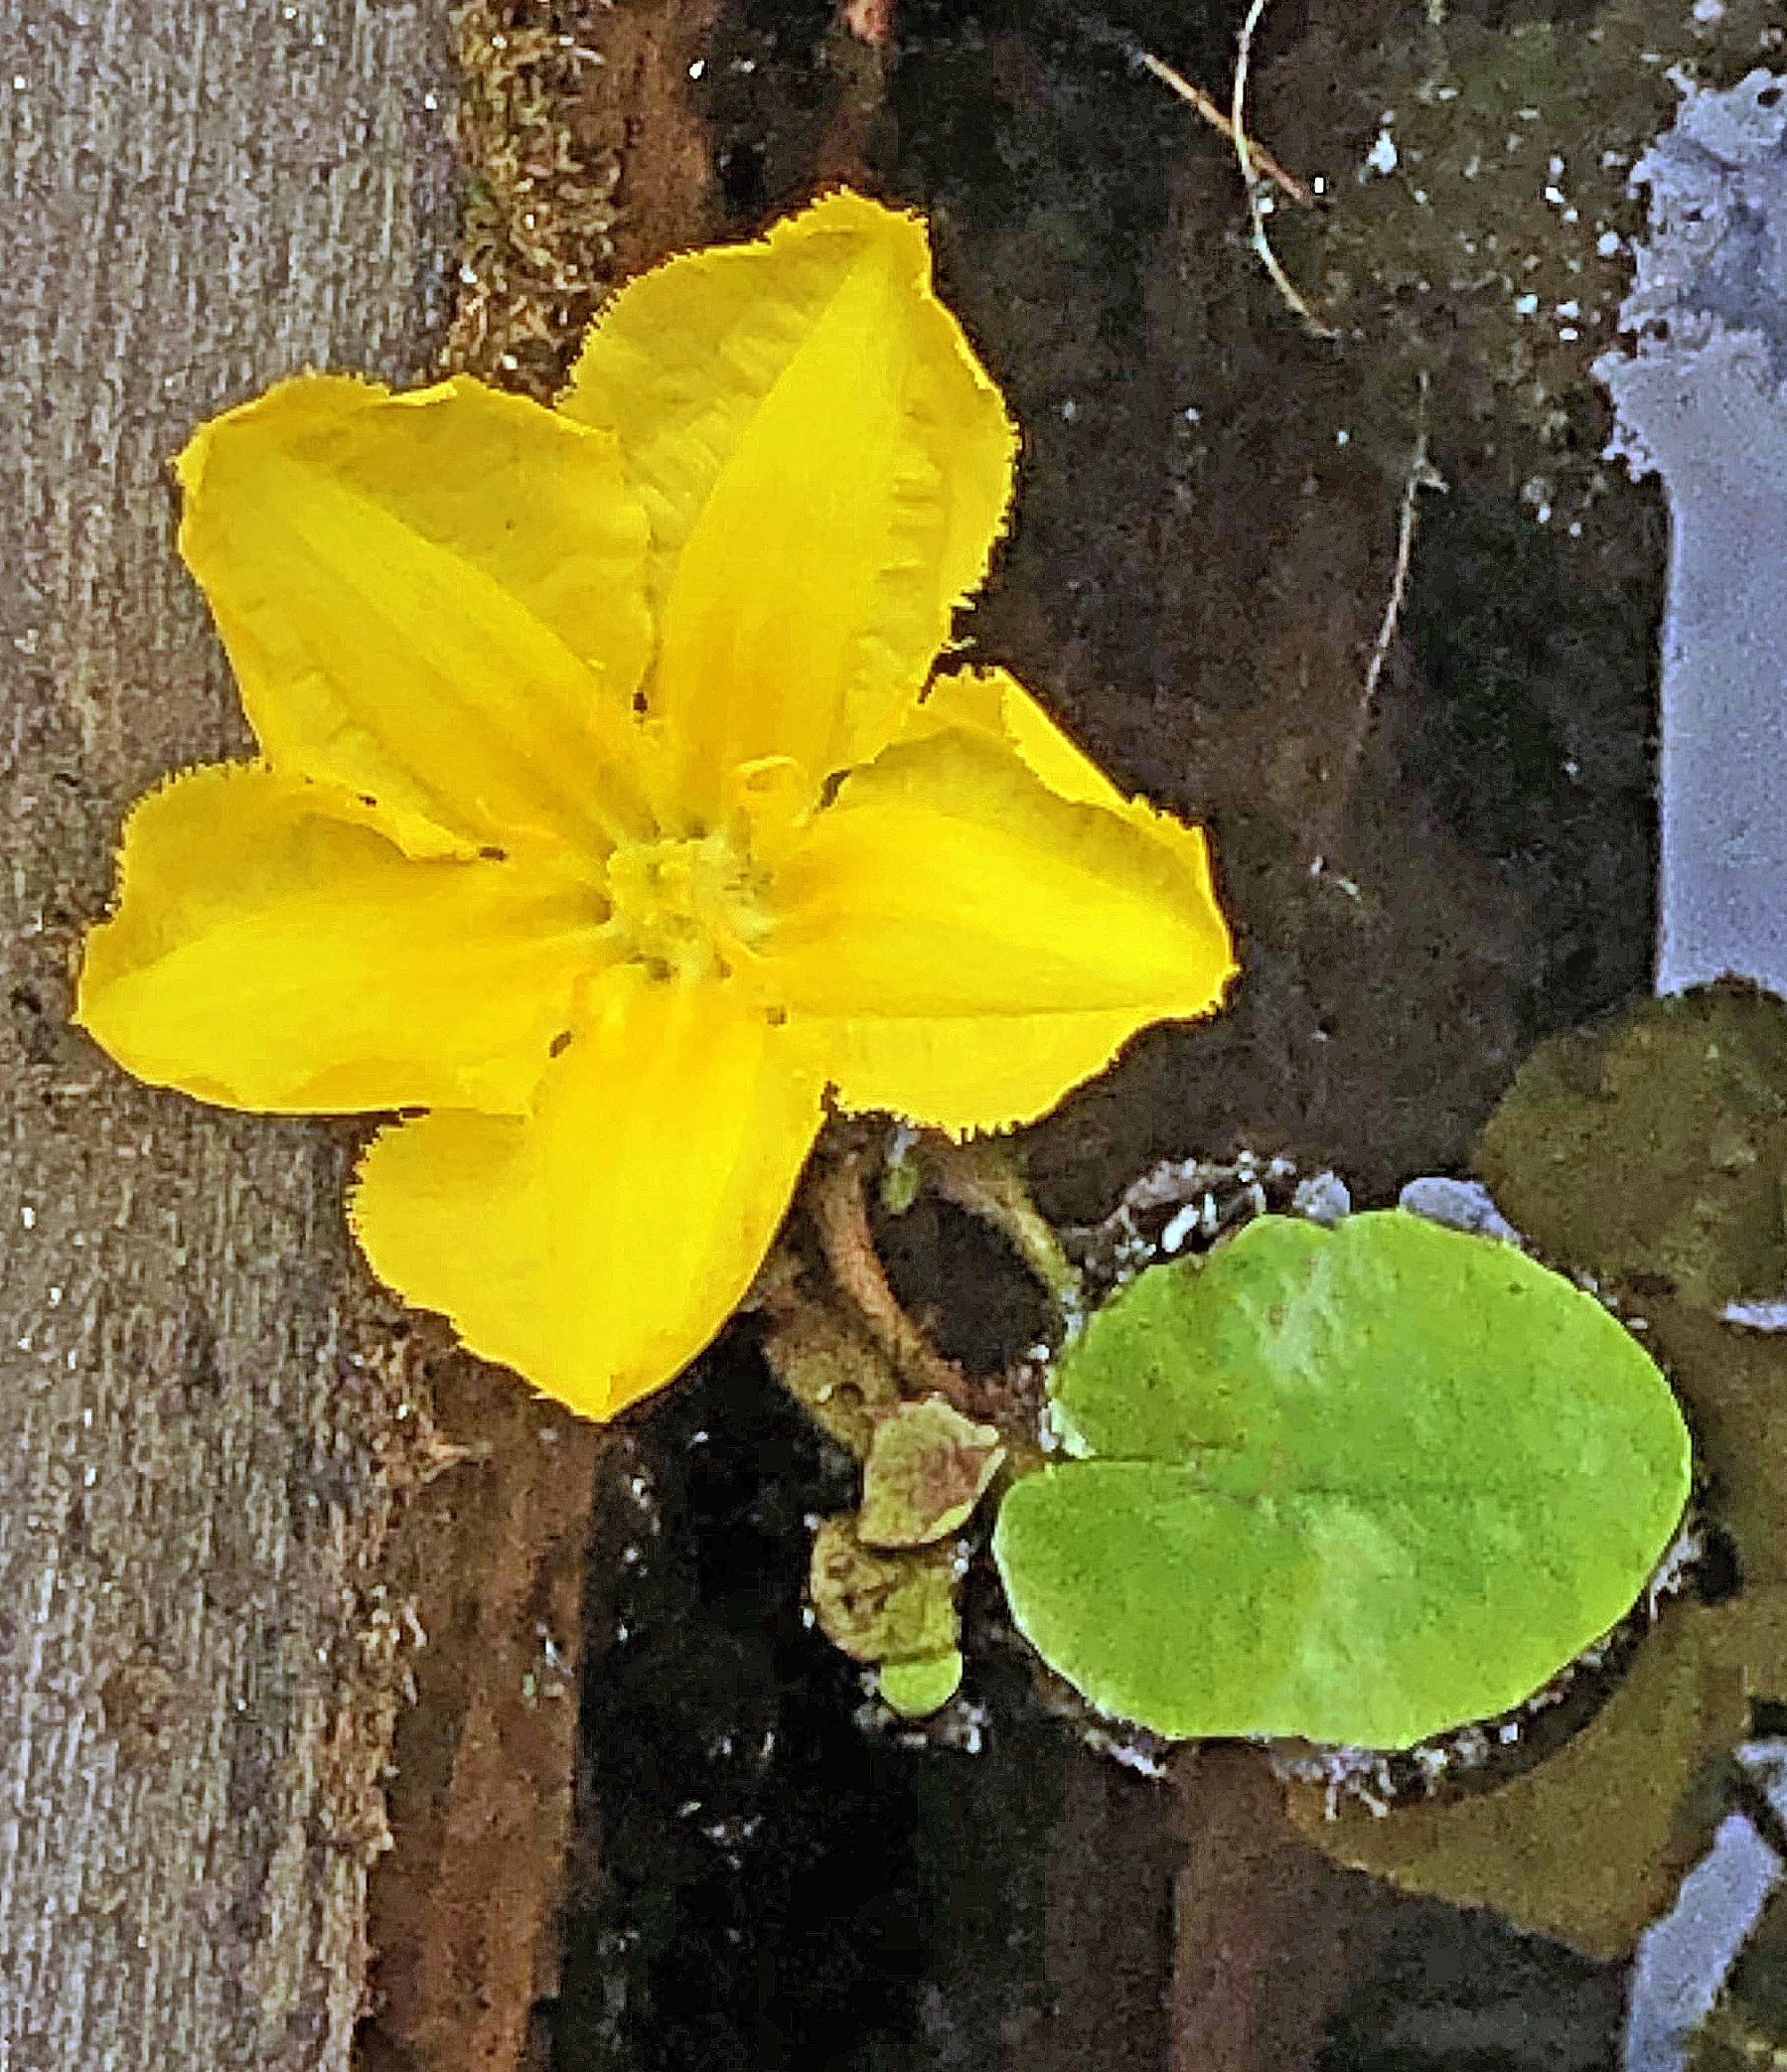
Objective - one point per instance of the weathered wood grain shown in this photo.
(199, 196)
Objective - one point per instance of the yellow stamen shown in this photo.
(687, 907)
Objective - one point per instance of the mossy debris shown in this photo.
(534, 248)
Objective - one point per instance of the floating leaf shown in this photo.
(1360, 1485)
(882, 1607)
(914, 1688)
(926, 1467)
(1651, 1148)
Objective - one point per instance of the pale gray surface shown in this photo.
(1703, 404)
(1682, 1960)
(1461, 1205)
(196, 197)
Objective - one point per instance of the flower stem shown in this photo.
(840, 1216)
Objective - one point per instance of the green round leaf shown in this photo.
(1359, 1485)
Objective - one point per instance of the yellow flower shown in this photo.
(600, 813)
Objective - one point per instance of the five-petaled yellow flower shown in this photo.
(601, 813)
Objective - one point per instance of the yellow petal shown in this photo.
(978, 940)
(993, 704)
(434, 599)
(598, 1246)
(826, 464)
(273, 949)
(964, 1073)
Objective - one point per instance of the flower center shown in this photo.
(686, 907)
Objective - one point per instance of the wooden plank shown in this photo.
(194, 1477)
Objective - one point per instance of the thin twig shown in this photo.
(1422, 475)
(1257, 198)
(1220, 123)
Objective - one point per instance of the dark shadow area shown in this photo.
(1535, 738)
(766, 1884)
(1454, 1991)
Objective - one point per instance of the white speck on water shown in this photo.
(697, 67)
(28, 1217)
